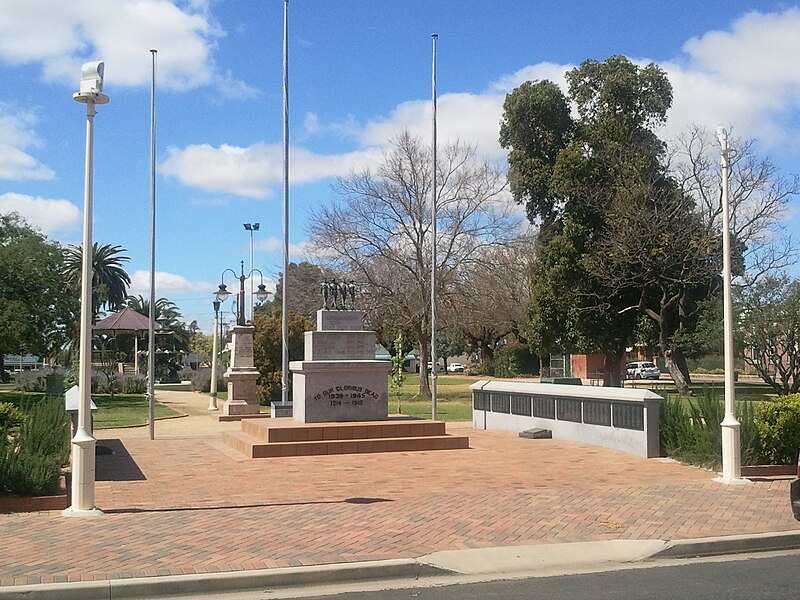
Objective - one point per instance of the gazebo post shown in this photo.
(136, 353)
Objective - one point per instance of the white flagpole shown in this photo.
(151, 354)
(434, 374)
(285, 302)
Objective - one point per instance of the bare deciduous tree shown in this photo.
(379, 230)
(759, 197)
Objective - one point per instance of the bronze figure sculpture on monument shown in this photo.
(325, 294)
(334, 287)
(338, 295)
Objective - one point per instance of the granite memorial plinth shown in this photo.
(242, 375)
(340, 380)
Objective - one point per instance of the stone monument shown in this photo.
(242, 375)
(339, 378)
(340, 396)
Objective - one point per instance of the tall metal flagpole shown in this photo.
(731, 449)
(151, 351)
(285, 302)
(434, 365)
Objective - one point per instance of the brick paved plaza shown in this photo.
(181, 505)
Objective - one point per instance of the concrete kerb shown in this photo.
(491, 563)
(731, 544)
(210, 583)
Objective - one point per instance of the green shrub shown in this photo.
(31, 381)
(201, 381)
(30, 474)
(10, 415)
(515, 360)
(690, 430)
(32, 457)
(131, 383)
(778, 424)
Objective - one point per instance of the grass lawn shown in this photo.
(122, 411)
(753, 391)
(125, 411)
(453, 398)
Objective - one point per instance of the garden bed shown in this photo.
(769, 470)
(17, 504)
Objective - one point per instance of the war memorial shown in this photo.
(340, 396)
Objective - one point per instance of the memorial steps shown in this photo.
(269, 438)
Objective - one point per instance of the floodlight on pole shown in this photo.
(251, 227)
(83, 442)
(731, 448)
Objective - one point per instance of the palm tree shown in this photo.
(110, 281)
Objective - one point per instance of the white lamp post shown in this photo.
(731, 449)
(212, 405)
(83, 443)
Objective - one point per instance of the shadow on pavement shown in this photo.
(237, 506)
(114, 463)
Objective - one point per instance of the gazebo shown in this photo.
(126, 321)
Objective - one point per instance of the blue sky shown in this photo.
(359, 73)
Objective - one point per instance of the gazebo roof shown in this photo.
(126, 320)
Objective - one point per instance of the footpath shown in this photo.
(185, 513)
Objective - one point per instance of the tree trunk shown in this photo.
(673, 361)
(680, 362)
(424, 356)
(612, 376)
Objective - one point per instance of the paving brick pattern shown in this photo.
(193, 505)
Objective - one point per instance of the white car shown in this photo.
(642, 369)
(455, 368)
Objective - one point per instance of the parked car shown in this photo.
(794, 491)
(642, 369)
(455, 368)
(439, 367)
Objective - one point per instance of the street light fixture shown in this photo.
(731, 449)
(212, 403)
(83, 443)
(223, 294)
(251, 227)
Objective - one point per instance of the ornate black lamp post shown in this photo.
(222, 293)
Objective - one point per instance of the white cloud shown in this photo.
(167, 285)
(250, 171)
(472, 118)
(51, 216)
(538, 72)
(348, 128)
(747, 76)
(275, 244)
(17, 136)
(62, 35)
(744, 77)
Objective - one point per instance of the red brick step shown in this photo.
(283, 437)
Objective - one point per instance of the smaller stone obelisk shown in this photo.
(242, 375)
